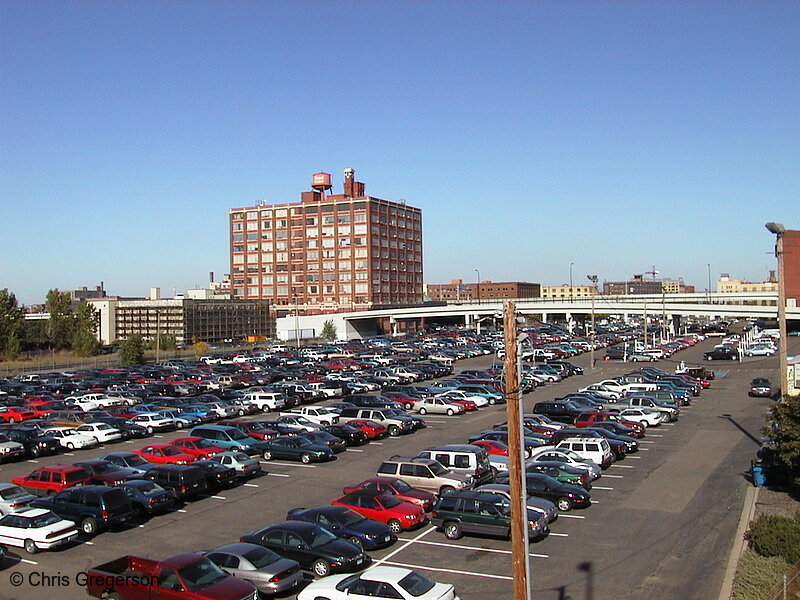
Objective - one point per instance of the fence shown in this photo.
(788, 588)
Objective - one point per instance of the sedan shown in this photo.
(69, 438)
(348, 433)
(384, 508)
(396, 487)
(315, 548)
(372, 429)
(128, 460)
(380, 582)
(260, 566)
(147, 497)
(13, 498)
(296, 448)
(197, 447)
(164, 454)
(567, 457)
(646, 416)
(36, 529)
(561, 472)
(348, 524)
(101, 432)
(565, 497)
(440, 406)
(245, 466)
(492, 447)
(323, 438)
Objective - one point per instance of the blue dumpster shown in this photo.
(757, 471)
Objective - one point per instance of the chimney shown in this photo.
(211, 276)
(352, 188)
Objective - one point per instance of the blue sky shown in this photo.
(612, 135)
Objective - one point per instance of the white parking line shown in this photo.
(633, 457)
(277, 475)
(89, 543)
(432, 421)
(128, 442)
(219, 497)
(571, 517)
(141, 526)
(353, 450)
(646, 442)
(422, 568)
(181, 510)
(251, 484)
(33, 461)
(461, 547)
(558, 534)
(404, 546)
(158, 436)
(28, 562)
(269, 462)
(655, 435)
(597, 487)
(377, 443)
(623, 466)
(615, 476)
(643, 449)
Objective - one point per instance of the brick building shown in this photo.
(791, 265)
(328, 253)
(457, 290)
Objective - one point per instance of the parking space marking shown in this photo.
(353, 450)
(377, 443)
(597, 487)
(269, 462)
(404, 546)
(645, 442)
(33, 461)
(422, 568)
(219, 497)
(558, 534)
(89, 543)
(573, 516)
(28, 562)
(251, 484)
(432, 421)
(181, 510)
(644, 450)
(615, 476)
(158, 436)
(128, 442)
(461, 547)
(277, 474)
(633, 457)
(69, 454)
(622, 466)
(655, 435)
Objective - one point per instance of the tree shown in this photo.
(61, 326)
(200, 349)
(10, 326)
(784, 432)
(84, 342)
(165, 342)
(328, 333)
(132, 350)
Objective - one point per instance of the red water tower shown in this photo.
(321, 182)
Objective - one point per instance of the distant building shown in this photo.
(83, 293)
(328, 253)
(457, 290)
(726, 285)
(791, 263)
(558, 292)
(639, 285)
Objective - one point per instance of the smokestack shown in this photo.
(211, 276)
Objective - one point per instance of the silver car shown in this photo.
(244, 465)
(270, 573)
(13, 498)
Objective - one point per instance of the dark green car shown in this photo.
(561, 472)
(295, 448)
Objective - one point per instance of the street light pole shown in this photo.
(709, 282)
(296, 322)
(478, 286)
(783, 343)
(572, 264)
(593, 279)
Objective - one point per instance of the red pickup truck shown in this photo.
(185, 576)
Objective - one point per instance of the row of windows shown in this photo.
(377, 207)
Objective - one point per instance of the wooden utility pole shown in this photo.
(593, 279)
(783, 341)
(519, 511)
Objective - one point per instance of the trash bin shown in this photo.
(757, 471)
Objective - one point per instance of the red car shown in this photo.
(165, 454)
(467, 404)
(39, 411)
(384, 508)
(46, 481)
(198, 447)
(396, 487)
(492, 447)
(373, 430)
(407, 401)
(123, 411)
(15, 414)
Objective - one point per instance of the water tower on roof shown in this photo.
(321, 182)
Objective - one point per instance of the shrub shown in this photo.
(757, 575)
(772, 535)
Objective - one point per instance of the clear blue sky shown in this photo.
(613, 135)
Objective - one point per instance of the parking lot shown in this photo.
(661, 522)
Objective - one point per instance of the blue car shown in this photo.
(348, 524)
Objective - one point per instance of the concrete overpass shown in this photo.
(711, 306)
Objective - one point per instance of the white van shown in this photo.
(596, 450)
(266, 400)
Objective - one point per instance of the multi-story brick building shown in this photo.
(328, 253)
(457, 290)
(563, 292)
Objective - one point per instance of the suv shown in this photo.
(92, 507)
(230, 438)
(597, 450)
(45, 481)
(722, 353)
(558, 410)
(395, 426)
(186, 481)
(34, 443)
(463, 458)
(469, 511)
(424, 473)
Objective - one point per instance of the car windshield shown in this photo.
(350, 517)
(201, 574)
(136, 461)
(260, 557)
(170, 451)
(416, 584)
(13, 493)
(44, 520)
(236, 434)
(319, 537)
(149, 488)
(438, 469)
(389, 501)
(102, 467)
(401, 486)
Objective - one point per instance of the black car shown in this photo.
(631, 444)
(92, 507)
(722, 353)
(759, 387)
(35, 444)
(323, 438)
(558, 410)
(564, 496)
(348, 524)
(147, 497)
(217, 476)
(187, 481)
(315, 548)
(128, 428)
(128, 460)
(368, 401)
(104, 472)
(348, 433)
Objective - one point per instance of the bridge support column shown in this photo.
(544, 317)
(570, 323)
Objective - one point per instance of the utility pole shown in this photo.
(783, 343)
(158, 334)
(644, 318)
(519, 516)
(593, 279)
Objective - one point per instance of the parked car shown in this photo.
(147, 497)
(348, 524)
(103, 472)
(187, 481)
(398, 487)
(425, 474)
(265, 569)
(165, 454)
(13, 498)
(36, 529)
(565, 497)
(245, 466)
(296, 448)
(349, 434)
(34, 443)
(91, 507)
(128, 460)
(381, 581)
(69, 438)
(384, 508)
(760, 387)
(197, 447)
(51, 479)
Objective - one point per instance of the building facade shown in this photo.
(791, 265)
(458, 291)
(639, 285)
(726, 285)
(563, 292)
(328, 253)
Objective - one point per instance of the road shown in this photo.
(660, 527)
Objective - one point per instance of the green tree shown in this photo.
(10, 326)
(200, 349)
(328, 333)
(84, 341)
(61, 325)
(784, 431)
(166, 343)
(132, 350)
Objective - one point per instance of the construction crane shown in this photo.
(653, 272)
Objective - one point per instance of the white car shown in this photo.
(102, 432)
(479, 401)
(760, 351)
(438, 405)
(568, 457)
(602, 391)
(378, 582)
(69, 438)
(646, 416)
(36, 529)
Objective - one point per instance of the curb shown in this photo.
(739, 541)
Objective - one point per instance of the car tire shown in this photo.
(149, 430)
(267, 455)
(70, 446)
(528, 452)
(634, 359)
(12, 420)
(394, 430)
(446, 489)
(492, 401)
(30, 546)
(564, 504)
(422, 411)
(356, 541)
(305, 458)
(35, 452)
(240, 412)
(452, 530)
(395, 526)
(179, 425)
(321, 568)
(89, 526)
(449, 412)
(408, 406)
